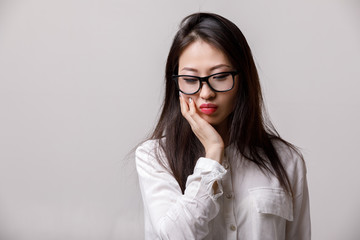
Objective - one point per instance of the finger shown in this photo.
(183, 105)
(193, 112)
(192, 107)
(185, 111)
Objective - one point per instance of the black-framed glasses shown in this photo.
(218, 82)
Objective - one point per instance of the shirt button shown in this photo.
(232, 227)
(228, 195)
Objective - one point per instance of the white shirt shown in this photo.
(249, 203)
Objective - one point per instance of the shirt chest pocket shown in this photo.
(272, 201)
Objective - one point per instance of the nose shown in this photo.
(206, 92)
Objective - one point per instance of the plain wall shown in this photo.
(81, 83)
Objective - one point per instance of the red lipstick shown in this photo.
(208, 108)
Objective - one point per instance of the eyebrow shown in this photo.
(211, 69)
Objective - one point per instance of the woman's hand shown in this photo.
(208, 136)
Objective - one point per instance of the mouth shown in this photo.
(208, 108)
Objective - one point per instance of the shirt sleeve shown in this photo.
(174, 215)
(300, 227)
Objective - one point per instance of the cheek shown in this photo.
(232, 102)
(193, 98)
(232, 107)
(186, 97)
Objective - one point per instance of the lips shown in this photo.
(208, 108)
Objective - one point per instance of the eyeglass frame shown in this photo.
(205, 79)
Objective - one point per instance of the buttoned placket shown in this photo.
(228, 207)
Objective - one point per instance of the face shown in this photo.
(202, 59)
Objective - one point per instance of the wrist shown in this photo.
(215, 153)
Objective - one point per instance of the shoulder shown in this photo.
(151, 153)
(148, 146)
(291, 159)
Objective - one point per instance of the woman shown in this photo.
(215, 168)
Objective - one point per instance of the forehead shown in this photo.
(202, 56)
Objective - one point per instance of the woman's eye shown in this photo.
(221, 76)
(190, 80)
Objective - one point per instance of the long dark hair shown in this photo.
(250, 130)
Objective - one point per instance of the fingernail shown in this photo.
(190, 100)
(180, 94)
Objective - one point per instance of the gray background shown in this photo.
(81, 84)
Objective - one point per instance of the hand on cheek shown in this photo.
(208, 136)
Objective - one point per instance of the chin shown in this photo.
(212, 121)
(215, 121)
